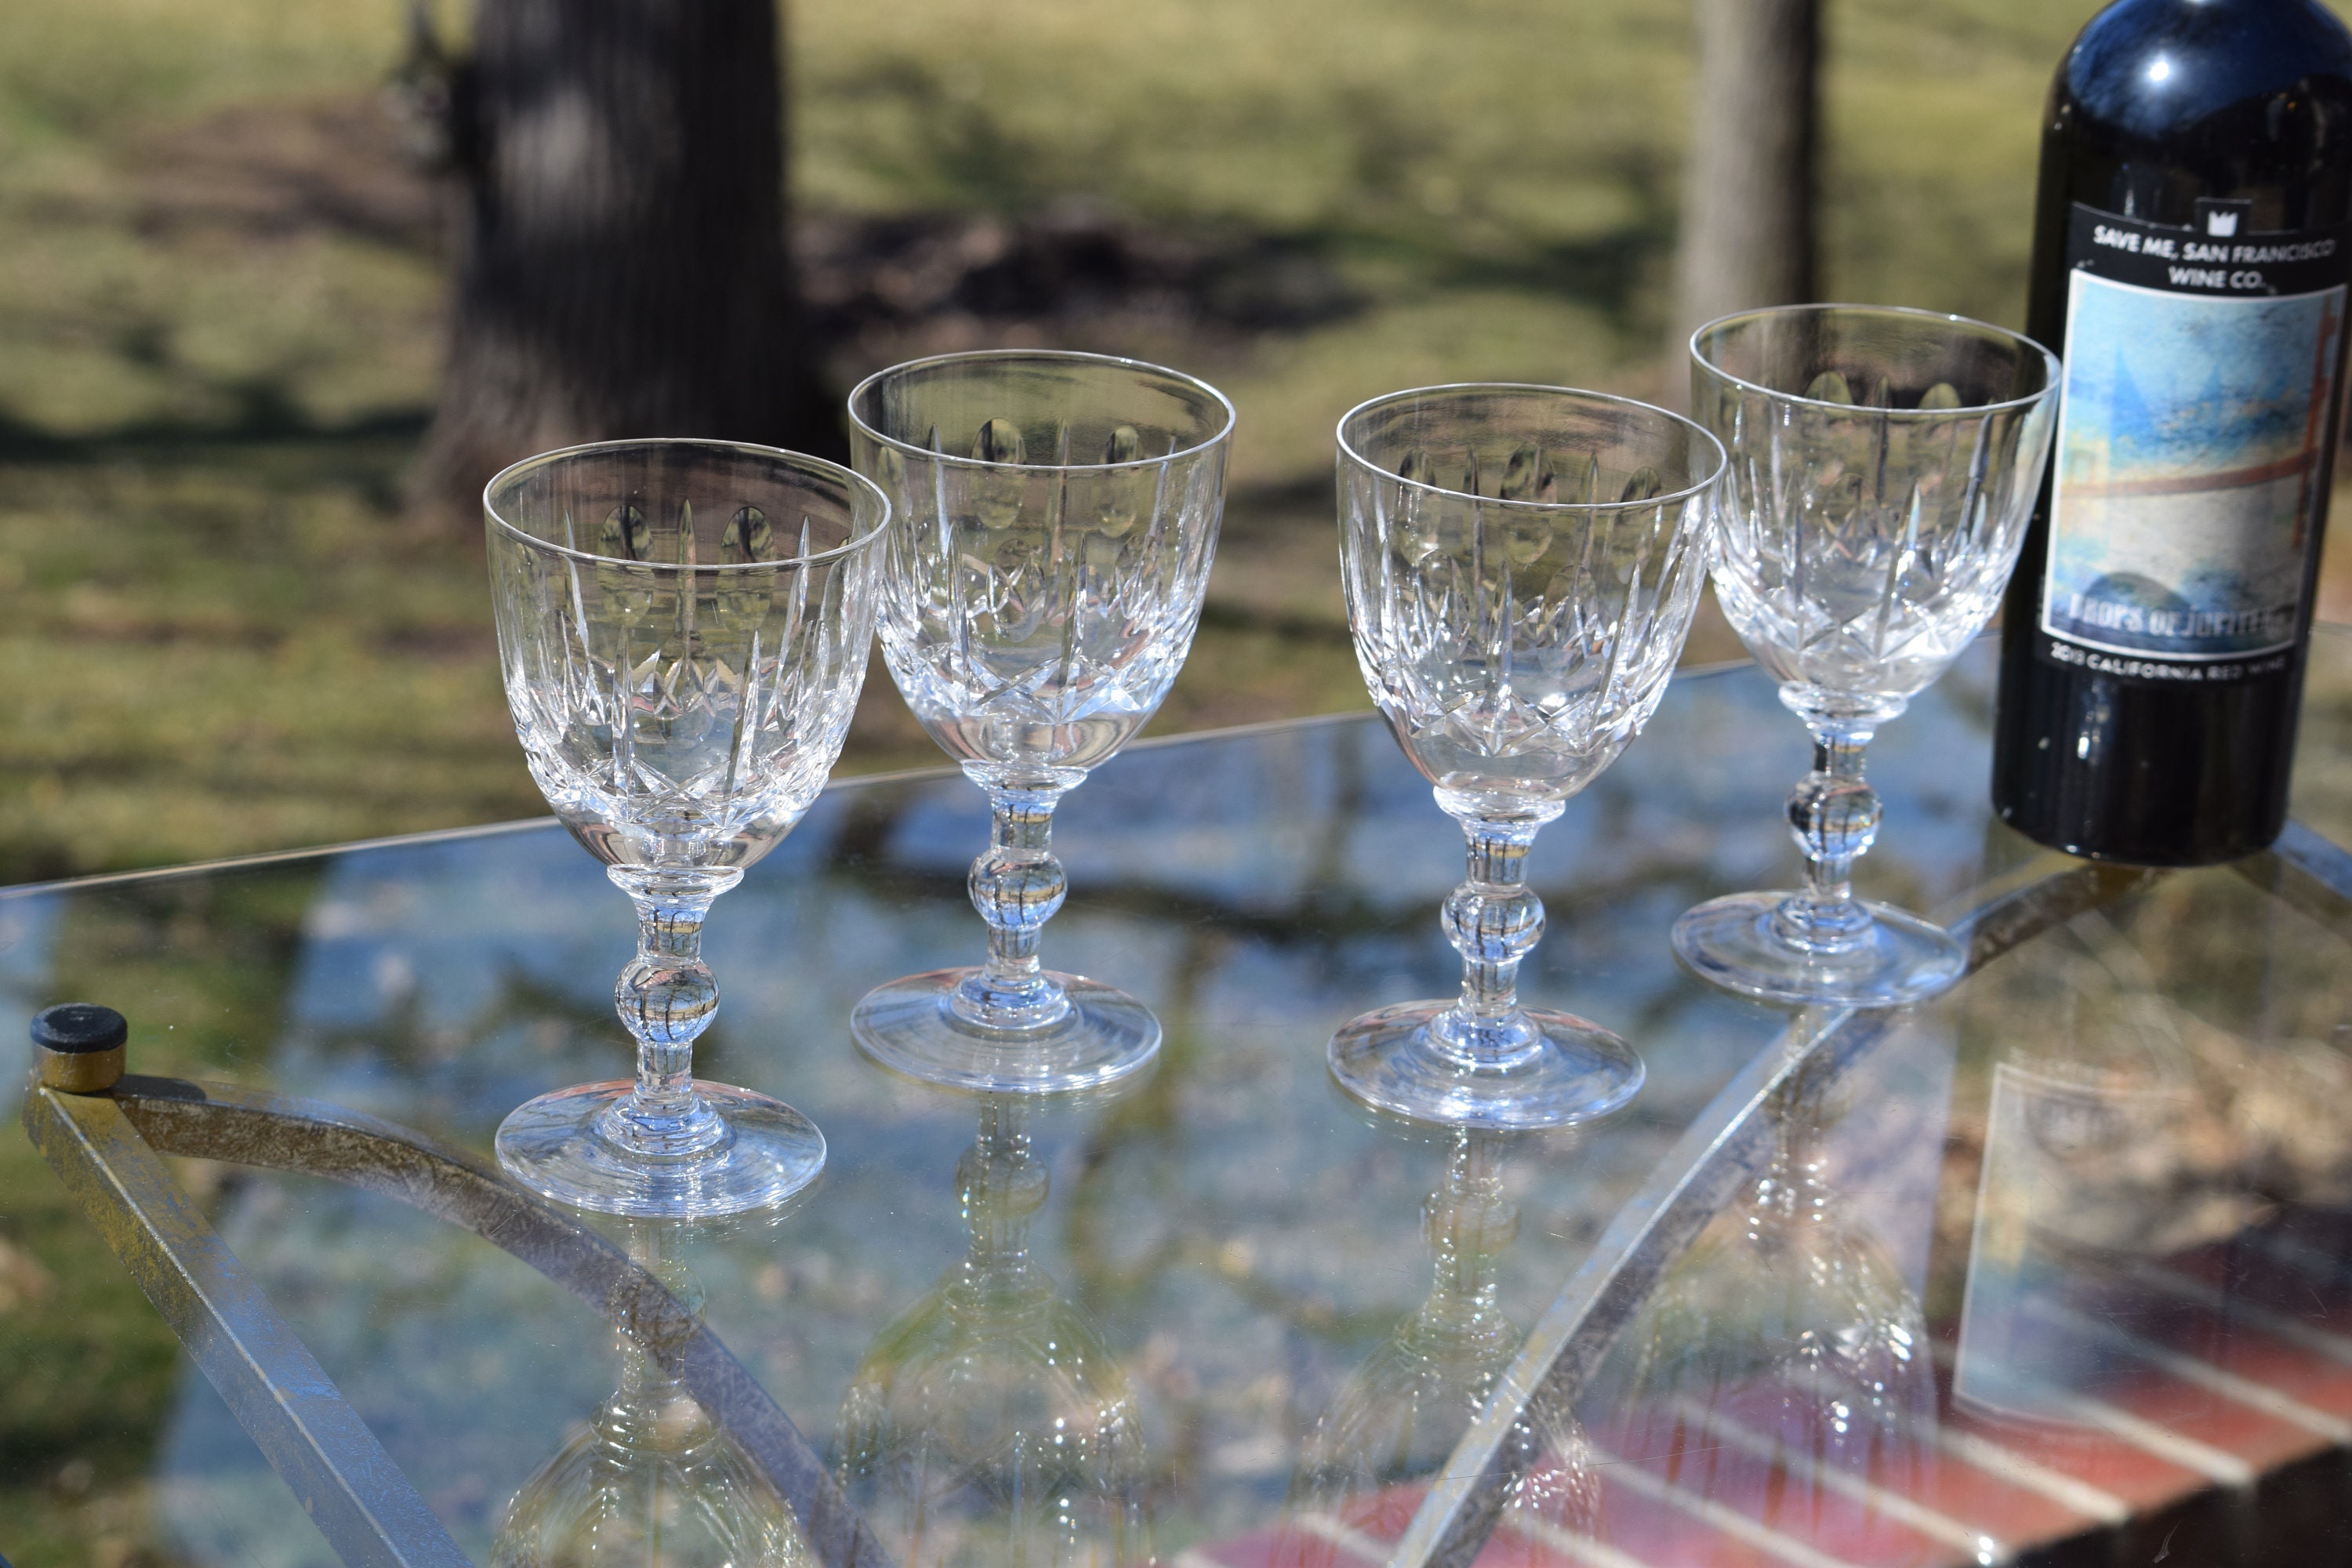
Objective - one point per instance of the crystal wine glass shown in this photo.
(1521, 563)
(1884, 465)
(683, 627)
(1056, 513)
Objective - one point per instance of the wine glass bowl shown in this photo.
(1056, 513)
(1884, 465)
(683, 630)
(1521, 564)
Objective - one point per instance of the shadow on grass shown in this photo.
(266, 414)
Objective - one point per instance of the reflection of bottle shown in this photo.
(2189, 256)
(649, 1482)
(1786, 1333)
(2085, 1156)
(989, 1425)
(1398, 1416)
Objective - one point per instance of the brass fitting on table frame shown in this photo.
(77, 1047)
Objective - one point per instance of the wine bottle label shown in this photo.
(2200, 368)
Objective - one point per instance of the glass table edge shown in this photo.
(1715, 670)
(925, 774)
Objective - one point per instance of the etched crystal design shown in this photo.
(1517, 631)
(1884, 465)
(1867, 533)
(1035, 616)
(1521, 564)
(683, 629)
(675, 716)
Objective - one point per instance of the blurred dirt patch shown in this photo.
(278, 171)
(878, 287)
(881, 288)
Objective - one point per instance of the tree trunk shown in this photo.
(1748, 208)
(618, 238)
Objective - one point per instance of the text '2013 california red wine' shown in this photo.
(2192, 241)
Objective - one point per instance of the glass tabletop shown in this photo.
(2057, 1268)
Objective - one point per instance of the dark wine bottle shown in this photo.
(2192, 240)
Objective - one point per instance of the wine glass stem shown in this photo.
(1016, 887)
(666, 998)
(1494, 920)
(1833, 813)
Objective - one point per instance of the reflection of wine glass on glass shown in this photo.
(1044, 578)
(1521, 563)
(1884, 465)
(988, 1424)
(1398, 1418)
(683, 627)
(1786, 1335)
(650, 1482)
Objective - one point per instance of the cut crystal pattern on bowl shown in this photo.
(1518, 627)
(662, 719)
(1864, 543)
(1035, 616)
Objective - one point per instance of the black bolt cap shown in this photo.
(75, 1027)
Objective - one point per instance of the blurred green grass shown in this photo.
(218, 330)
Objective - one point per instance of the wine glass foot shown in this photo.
(1576, 1070)
(1902, 959)
(554, 1146)
(908, 1027)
